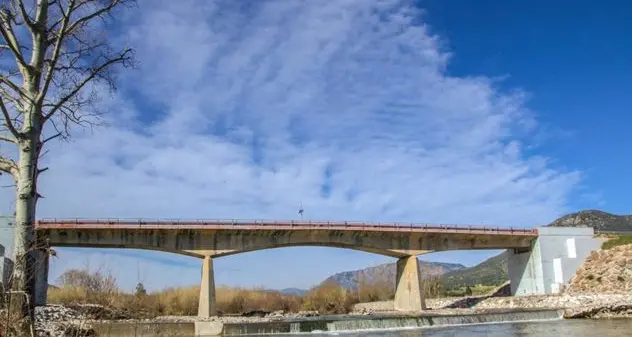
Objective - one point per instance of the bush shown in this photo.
(81, 286)
(329, 298)
(619, 240)
(375, 291)
(433, 287)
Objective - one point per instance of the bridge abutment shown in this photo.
(206, 306)
(552, 260)
(409, 293)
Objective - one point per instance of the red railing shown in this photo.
(275, 224)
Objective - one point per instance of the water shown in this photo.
(564, 328)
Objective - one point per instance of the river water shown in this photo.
(563, 328)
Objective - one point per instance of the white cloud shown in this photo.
(245, 111)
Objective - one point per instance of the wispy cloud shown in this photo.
(247, 109)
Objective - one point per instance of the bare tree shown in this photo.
(53, 54)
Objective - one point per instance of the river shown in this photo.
(569, 328)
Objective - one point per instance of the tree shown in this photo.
(140, 290)
(53, 53)
(468, 291)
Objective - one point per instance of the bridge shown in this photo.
(210, 239)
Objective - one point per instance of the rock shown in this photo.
(605, 271)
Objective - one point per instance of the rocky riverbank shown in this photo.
(57, 320)
(576, 305)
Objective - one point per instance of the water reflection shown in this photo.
(146, 330)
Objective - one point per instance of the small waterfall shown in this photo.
(515, 316)
(385, 322)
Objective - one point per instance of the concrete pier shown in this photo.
(409, 293)
(41, 277)
(206, 306)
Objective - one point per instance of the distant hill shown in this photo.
(386, 273)
(599, 220)
(292, 291)
(492, 271)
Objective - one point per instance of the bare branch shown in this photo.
(8, 120)
(8, 166)
(51, 138)
(6, 30)
(25, 15)
(9, 139)
(122, 58)
(56, 49)
(4, 80)
(107, 8)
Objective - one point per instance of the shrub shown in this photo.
(618, 240)
(329, 298)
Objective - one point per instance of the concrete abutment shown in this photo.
(553, 259)
(409, 292)
(206, 306)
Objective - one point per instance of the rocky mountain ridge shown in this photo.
(599, 220)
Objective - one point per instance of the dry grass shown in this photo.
(82, 287)
(330, 298)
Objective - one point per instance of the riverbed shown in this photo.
(575, 328)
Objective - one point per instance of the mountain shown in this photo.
(492, 271)
(293, 291)
(596, 219)
(385, 273)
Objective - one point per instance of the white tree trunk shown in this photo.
(26, 199)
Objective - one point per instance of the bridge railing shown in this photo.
(141, 222)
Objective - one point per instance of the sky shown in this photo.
(467, 112)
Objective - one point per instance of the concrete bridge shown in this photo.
(209, 239)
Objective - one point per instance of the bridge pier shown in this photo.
(206, 306)
(409, 293)
(41, 277)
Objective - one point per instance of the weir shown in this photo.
(333, 324)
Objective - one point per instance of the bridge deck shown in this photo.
(268, 225)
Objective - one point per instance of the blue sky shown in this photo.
(468, 112)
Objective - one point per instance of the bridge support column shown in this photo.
(206, 306)
(409, 293)
(41, 277)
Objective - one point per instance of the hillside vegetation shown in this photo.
(491, 272)
(616, 241)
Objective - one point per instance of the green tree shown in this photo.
(468, 291)
(140, 290)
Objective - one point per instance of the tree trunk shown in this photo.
(22, 301)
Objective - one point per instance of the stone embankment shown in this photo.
(60, 321)
(604, 271)
(577, 305)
